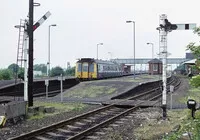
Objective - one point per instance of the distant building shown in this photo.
(37, 73)
(155, 66)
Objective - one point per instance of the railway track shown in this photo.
(82, 126)
(79, 126)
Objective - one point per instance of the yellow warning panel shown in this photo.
(2, 121)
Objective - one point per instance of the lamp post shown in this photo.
(152, 57)
(129, 21)
(152, 49)
(97, 48)
(110, 55)
(48, 63)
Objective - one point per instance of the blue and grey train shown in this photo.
(89, 68)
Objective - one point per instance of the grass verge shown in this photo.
(90, 91)
(59, 107)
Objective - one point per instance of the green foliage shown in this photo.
(57, 71)
(190, 126)
(13, 67)
(21, 74)
(195, 49)
(5, 74)
(70, 71)
(40, 67)
(195, 81)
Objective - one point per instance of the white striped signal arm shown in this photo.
(41, 20)
(190, 26)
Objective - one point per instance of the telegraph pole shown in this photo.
(30, 63)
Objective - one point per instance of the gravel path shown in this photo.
(181, 92)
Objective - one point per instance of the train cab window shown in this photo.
(79, 67)
(91, 68)
(85, 67)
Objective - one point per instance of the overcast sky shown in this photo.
(82, 24)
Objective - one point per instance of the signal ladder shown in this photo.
(20, 50)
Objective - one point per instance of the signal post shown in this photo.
(164, 28)
(30, 30)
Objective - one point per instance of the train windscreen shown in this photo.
(85, 67)
(79, 67)
(91, 68)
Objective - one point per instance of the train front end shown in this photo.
(86, 69)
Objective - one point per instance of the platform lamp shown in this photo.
(129, 21)
(152, 56)
(98, 48)
(48, 63)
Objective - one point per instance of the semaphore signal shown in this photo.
(41, 20)
(164, 28)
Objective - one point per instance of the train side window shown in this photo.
(79, 67)
(91, 68)
(100, 68)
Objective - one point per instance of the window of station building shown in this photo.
(91, 68)
(79, 67)
(155, 67)
(85, 67)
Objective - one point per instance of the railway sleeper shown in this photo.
(89, 121)
(66, 132)
(41, 138)
(55, 134)
(74, 128)
(100, 133)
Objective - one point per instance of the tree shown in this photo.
(5, 74)
(21, 74)
(70, 71)
(195, 49)
(14, 68)
(57, 71)
(40, 67)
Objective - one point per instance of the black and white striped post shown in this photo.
(165, 27)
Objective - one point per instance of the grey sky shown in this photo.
(81, 24)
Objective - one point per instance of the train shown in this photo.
(90, 68)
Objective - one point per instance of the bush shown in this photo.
(5, 74)
(195, 81)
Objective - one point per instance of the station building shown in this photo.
(155, 67)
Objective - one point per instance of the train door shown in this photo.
(91, 71)
(79, 70)
(85, 70)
